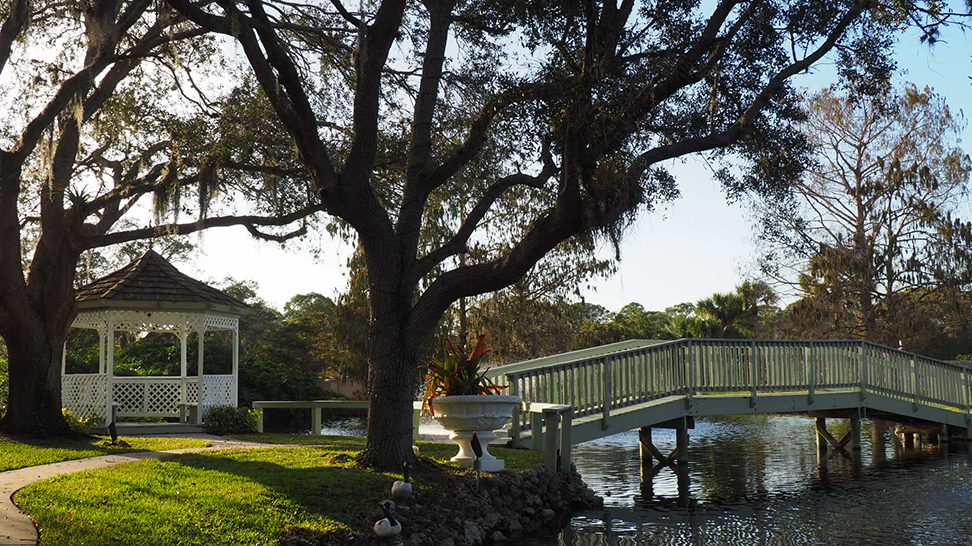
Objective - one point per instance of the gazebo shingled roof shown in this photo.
(150, 278)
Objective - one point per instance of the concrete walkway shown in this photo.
(16, 527)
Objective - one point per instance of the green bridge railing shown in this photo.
(689, 367)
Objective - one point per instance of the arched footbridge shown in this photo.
(638, 385)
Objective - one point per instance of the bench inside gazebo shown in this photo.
(150, 295)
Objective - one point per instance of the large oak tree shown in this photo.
(104, 108)
(573, 109)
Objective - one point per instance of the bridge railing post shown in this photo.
(916, 379)
(517, 410)
(968, 403)
(863, 374)
(811, 373)
(607, 390)
(754, 374)
(566, 422)
(536, 431)
(551, 421)
(690, 373)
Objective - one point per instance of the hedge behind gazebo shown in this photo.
(151, 295)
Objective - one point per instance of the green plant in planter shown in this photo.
(457, 374)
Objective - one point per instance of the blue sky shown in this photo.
(685, 251)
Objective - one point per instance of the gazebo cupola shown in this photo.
(150, 295)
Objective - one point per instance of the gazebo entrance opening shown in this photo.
(149, 297)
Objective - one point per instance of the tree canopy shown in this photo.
(107, 107)
(464, 141)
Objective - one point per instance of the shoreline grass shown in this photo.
(227, 497)
(516, 459)
(18, 453)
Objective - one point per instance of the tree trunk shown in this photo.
(40, 313)
(392, 381)
(34, 406)
(392, 357)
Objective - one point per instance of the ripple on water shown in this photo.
(756, 481)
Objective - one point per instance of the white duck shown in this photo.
(402, 488)
(388, 526)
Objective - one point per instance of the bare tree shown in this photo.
(875, 234)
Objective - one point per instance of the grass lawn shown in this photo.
(516, 459)
(232, 497)
(303, 439)
(19, 453)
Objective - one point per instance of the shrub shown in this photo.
(81, 425)
(3, 386)
(224, 420)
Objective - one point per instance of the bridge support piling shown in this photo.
(681, 441)
(878, 442)
(821, 424)
(683, 485)
(855, 431)
(943, 440)
(644, 440)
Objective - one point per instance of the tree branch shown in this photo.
(16, 21)
(457, 244)
(734, 131)
(204, 223)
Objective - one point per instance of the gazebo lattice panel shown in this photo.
(150, 397)
(92, 320)
(220, 391)
(222, 322)
(192, 391)
(84, 395)
(158, 321)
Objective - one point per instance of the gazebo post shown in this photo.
(101, 351)
(236, 365)
(183, 370)
(199, 370)
(109, 368)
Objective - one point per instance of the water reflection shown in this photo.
(757, 480)
(429, 429)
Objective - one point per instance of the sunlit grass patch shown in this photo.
(20, 453)
(302, 439)
(222, 498)
(516, 459)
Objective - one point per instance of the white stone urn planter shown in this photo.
(479, 414)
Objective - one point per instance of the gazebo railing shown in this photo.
(144, 396)
(148, 396)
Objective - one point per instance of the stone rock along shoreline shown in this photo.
(506, 508)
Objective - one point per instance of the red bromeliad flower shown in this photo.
(457, 374)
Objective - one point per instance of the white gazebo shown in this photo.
(150, 295)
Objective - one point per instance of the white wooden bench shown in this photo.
(188, 412)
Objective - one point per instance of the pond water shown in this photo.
(429, 429)
(757, 481)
